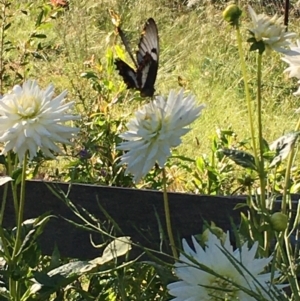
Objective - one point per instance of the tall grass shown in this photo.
(195, 44)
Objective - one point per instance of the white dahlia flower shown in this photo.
(30, 120)
(156, 128)
(270, 31)
(226, 279)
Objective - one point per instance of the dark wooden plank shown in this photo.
(134, 211)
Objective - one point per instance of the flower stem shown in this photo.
(287, 179)
(10, 169)
(261, 167)
(247, 93)
(167, 214)
(261, 173)
(13, 284)
(4, 198)
(21, 208)
(293, 277)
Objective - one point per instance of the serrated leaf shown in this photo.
(241, 158)
(283, 146)
(118, 247)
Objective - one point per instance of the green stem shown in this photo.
(283, 253)
(21, 209)
(13, 185)
(261, 168)
(168, 217)
(293, 278)
(287, 179)
(4, 199)
(13, 284)
(260, 137)
(247, 93)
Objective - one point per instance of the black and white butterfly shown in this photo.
(146, 63)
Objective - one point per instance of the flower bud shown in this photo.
(216, 231)
(279, 221)
(232, 14)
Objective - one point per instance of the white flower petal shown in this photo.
(156, 128)
(196, 284)
(270, 31)
(31, 120)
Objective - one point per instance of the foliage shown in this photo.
(75, 46)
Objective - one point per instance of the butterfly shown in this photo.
(146, 63)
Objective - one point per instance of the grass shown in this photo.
(195, 44)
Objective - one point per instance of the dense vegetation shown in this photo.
(74, 49)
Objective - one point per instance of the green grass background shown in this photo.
(196, 44)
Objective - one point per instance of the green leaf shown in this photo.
(282, 147)
(240, 205)
(7, 26)
(70, 269)
(118, 247)
(244, 225)
(251, 40)
(16, 175)
(33, 228)
(265, 145)
(260, 46)
(241, 158)
(183, 158)
(89, 75)
(39, 36)
(3, 160)
(55, 258)
(45, 285)
(39, 19)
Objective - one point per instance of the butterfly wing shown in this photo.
(147, 58)
(148, 42)
(144, 77)
(126, 44)
(129, 75)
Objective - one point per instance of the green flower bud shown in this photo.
(216, 231)
(279, 221)
(232, 14)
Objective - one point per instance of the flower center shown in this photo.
(221, 290)
(27, 106)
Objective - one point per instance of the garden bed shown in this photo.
(137, 213)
